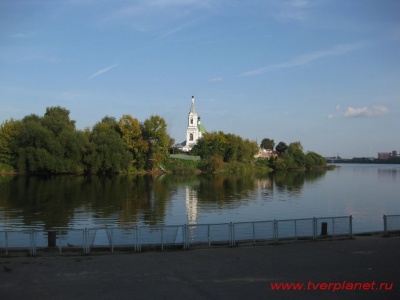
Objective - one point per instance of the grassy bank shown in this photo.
(186, 164)
(6, 169)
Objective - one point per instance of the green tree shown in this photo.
(267, 144)
(131, 133)
(155, 133)
(107, 123)
(230, 147)
(280, 164)
(247, 150)
(73, 143)
(313, 159)
(129, 128)
(290, 163)
(295, 151)
(9, 131)
(281, 147)
(109, 154)
(37, 149)
(211, 144)
(213, 164)
(57, 120)
(49, 144)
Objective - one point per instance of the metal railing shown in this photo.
(391, 223)
(64, 240)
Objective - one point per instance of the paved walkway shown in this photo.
(360, 264)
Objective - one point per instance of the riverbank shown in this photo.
(214, 273)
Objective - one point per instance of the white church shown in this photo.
(194, 130)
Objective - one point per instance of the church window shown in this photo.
(191, 120)
(191, 137)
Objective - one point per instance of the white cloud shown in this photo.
(20, 35)
(216, 79)
(155, 14)
(330, 117)
(306, 59)
(293, 10)
(300, 3)
(102, 71)
(374, 111)
(175, 30)
(170, 3)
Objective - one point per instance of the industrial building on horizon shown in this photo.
(386, 155)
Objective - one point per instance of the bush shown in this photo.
(181, 166)
(6, 168)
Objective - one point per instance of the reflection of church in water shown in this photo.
(191, 204)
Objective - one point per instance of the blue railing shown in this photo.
(391, 223)
(62, 240)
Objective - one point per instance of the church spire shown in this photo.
(192, 107)
(194, 130)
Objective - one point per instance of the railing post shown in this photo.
(162, 238)
(112, 240)
(351, 226)
(385, 231)
(51, 238)
(138, 242)
(6, 233)
(315, 228)
(87, 235)
(295, 229)
(208, 235)
(59, 240)
(110, 235)
(188, 236)
(184, 242)
(254, 234)
(84, 241)
(135, 239)
(276, 231)
(232, 234)
(34, 242)
(32, 237)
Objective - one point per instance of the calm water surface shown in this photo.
(366, 192)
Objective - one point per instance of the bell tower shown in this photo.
(194, 130)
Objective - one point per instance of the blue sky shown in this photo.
(325, 73)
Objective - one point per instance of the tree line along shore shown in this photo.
(51, 144)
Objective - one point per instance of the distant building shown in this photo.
(265, 153)
(194, 130)
(386, 155)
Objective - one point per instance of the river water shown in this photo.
(366, 192)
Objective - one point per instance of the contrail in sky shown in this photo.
(306, 59)
(102, 71)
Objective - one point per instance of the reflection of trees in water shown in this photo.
(222, 189)
(5, 178)
(42, 200)
(127, 200)
(53, 201)
(131, 199)
(292, 182)
(289, 182)
(388, 173)
(314, 175)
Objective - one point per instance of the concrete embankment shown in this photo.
(365, 267)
